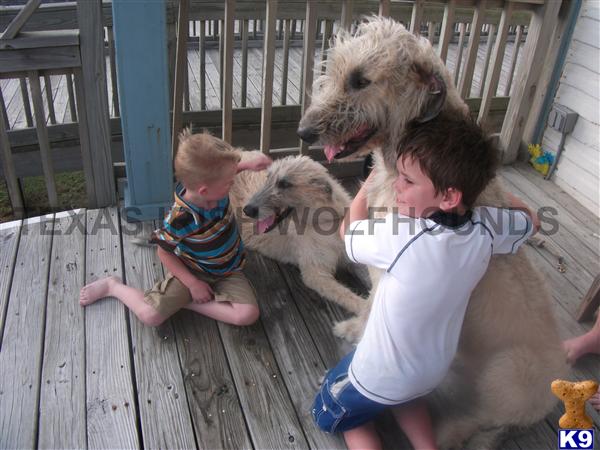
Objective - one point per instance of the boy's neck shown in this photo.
(198, 200)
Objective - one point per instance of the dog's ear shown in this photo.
(322, 184)
(436, 93)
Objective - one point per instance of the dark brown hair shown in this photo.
(453, 152)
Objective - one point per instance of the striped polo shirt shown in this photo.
(206, 240)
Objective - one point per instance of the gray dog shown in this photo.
(376, 81)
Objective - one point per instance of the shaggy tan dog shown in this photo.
(376, 81)
(291, 213)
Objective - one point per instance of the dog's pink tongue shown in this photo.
(264, 224)
(330, 152)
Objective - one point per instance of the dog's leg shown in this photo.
(323, 281)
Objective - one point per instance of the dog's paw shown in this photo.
(350, 329)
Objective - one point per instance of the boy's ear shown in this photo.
(451, 199)
(201, 189)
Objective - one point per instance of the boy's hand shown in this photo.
(261, 162)
(201, 292)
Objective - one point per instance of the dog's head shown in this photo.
(296, 187)
(376, 81)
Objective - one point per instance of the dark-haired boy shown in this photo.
(434, 248)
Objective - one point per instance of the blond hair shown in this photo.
(201, 158)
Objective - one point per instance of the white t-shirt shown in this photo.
(432, 265)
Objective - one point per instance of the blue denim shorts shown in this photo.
(338, 405)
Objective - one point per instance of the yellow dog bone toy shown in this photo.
(574, 396)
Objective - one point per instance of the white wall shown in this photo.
(578, 170)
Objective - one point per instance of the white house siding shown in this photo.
(578, 170)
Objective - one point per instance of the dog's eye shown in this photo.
(358, 81)
(284, 184)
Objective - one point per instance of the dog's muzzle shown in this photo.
(307, 134)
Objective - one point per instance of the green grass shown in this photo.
(70, 187)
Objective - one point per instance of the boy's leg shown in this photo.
(235, 302)
(586, 343)
(130, 297)
(413, 418)
(363, 437)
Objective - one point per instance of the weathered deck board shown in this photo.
(62, 397)
(164, 413)
(9, 244)
(110, 397)
(23, 338)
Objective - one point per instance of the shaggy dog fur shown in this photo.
(295, 209)
(376, 81)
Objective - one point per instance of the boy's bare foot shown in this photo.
(97, 290)
(580, 345)
(595, 401)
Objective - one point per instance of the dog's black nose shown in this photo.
(251, 211)
(307, 134)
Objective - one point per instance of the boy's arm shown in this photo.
(201, 291)
(259, 163)
(359, 209)
(517, 203)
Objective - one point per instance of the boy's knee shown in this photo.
(151, 317)
(246, 315)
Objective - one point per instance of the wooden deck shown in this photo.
(96, 377)
(11, 92)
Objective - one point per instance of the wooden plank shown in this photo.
(10, 234)
(416, 17)
(70, 93)
(466, 79)
(261, 388)
(543, 22)
(17, 23)
(113, 71)
(180, 62)
(447, 30)
(49, 99)
(308, 59)
(23, 337)
(513, 61)
(244, 65)
(164, 414)
(486, 59)
(431, 32)
(25, 99)
(286, 55)
(62, 397)
(110, 402)
(89, 17)
(10, 176)
(42, 134)
(228, 69)
(384, 8)
(267, 85)
(460, 48)
(491, 83)
(216, 412)
(347, 13)
(39, 59)
(36, 39)
(293, 347)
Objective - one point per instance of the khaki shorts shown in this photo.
(170, 295)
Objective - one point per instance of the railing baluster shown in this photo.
(459, 51)
(26, 103)
(180, 61)
(513, 63)
(244, 93)
(8, 167)
(347, 9)
(49, 99)
(416, 17)
(186, 84)
(308, 60)
(221, 44)
(267, 87)
(447, 30)
(384, 8)
(202, 57)
(113, 72)
(467, 75)
(486, 58)
(431, 32)
(325, 43)
(3, 108)
(71, 95)
(286, 55)
(84, 138)
(491, 83)
(228, 69)
(42, 135)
